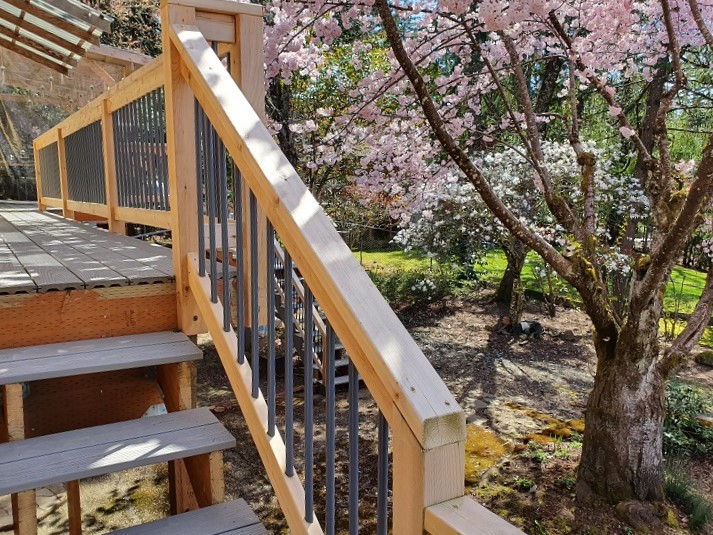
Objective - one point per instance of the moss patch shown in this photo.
(483, 450)
(705, 358)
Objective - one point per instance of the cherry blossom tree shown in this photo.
(460, 80)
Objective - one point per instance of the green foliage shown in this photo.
(414, 287)
(523, 484)
(680, 491)
(683, 433)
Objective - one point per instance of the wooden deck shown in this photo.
(40, 252)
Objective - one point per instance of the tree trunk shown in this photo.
(515, 254)
(622, 451)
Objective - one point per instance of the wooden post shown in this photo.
(24, 504)
(63, 182)
(422, 478)
(38, 177)
(74, 507)
(181, 146)
(247, 69)
(177, 382)
(112, 194)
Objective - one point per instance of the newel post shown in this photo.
(181, 148)
(424, 474)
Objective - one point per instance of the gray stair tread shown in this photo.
(38, 462)
(92, 356)
(231, 518)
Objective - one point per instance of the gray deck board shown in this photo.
(57, 253)
(231, 518)
(46, 272)
(58, 243)
(37, 462)
(19, 370)
(13, 277)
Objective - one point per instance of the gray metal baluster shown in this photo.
(151, 165)
(289, 370)
(210, 194)
(353, 449)
(145, 129)
(331, 402)
(200, 159)
(309, 407)
(239, 259)
(120, 151)
(254, 296)
(271, 380)
(117, 157)
(161, 147)
(225, 245)
(382, 505)
(132, 155)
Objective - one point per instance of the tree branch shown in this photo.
(693, 331)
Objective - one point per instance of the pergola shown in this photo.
(54, 33)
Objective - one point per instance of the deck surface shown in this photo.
(41, 252)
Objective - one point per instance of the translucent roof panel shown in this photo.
(55, 33)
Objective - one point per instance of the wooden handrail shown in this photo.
(392, 365)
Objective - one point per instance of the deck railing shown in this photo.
(233, 198)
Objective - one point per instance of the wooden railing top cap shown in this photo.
(231, 7)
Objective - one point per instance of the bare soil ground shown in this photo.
(524, 400)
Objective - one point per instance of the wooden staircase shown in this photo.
(190, 440)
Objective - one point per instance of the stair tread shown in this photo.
(92, 356)
(231, 518)
(41, 461)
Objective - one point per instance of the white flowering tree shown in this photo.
(463, 77)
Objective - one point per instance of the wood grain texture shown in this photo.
(465, 516)
(32, 319)
(42, 461)
(393, 367)
(231, 518)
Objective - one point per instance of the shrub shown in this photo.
(405, 287)
(683, 432)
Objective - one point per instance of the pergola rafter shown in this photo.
(55, 34)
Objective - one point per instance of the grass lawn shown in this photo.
(681, 295)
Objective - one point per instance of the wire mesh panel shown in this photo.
(140, 152)
(85, 164)
(49, 171)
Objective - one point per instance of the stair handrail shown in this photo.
(428, 425)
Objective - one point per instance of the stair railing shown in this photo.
(207, 160)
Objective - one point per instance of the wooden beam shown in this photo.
(181, 139)
(92, 208)
(216, 27)
(62, 24)
(52, 202)
(206, 475)
(66, 59)
(38, 176)
(74, 507)
(422, 477)
(464, 516)
(86, 14)
(24, 504)
(63, 179)
(33, 56)
(142, 216)
(110, 177)
(36, 30)
(221, 6)
(117, 56)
